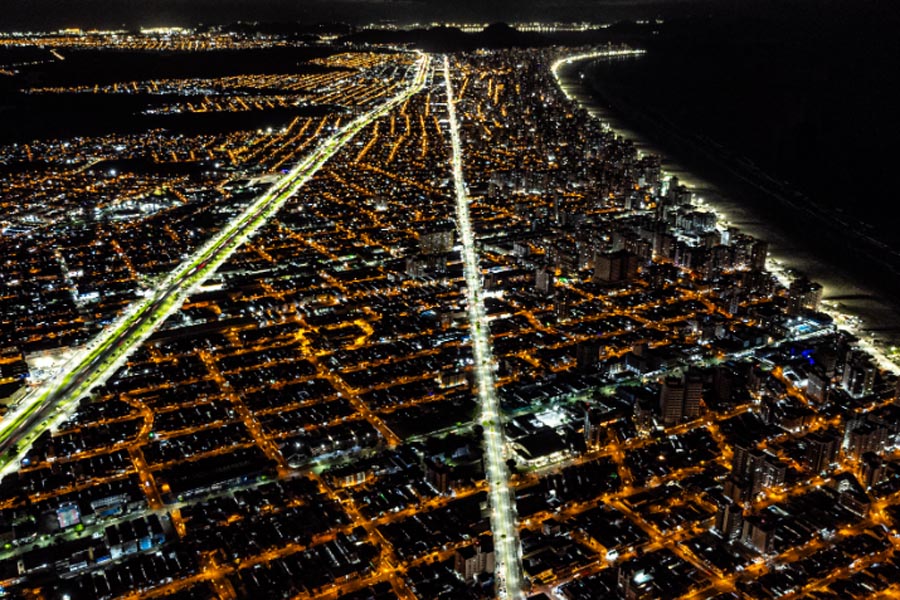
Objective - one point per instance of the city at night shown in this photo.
(406, 300)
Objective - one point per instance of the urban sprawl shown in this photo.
(438, 333)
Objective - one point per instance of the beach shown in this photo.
(853, 302)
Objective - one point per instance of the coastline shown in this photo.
(855, 306)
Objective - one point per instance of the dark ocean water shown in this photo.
(789, 125)
(811, 101)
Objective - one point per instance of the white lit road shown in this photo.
(568, 60)
(48, 404)
(508, 569)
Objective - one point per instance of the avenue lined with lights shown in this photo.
(503, 513)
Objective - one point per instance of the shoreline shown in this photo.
(855, 307)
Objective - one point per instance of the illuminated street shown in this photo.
(503, 513)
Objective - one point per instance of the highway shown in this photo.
(507, 551)
(49, 404)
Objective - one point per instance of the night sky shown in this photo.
(51, 14)
(87, 13)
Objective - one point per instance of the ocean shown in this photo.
(717, 132)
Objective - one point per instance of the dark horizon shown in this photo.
(49, 15)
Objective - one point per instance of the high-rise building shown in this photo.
(804, 295)
(737, 489)
(664, 244)
(593, 432)
(611, 267)
(693, 392)
(644, 410)
(543, 280)
(872, 469)
(437, 474)
(816, 385)
(759, 532)
(680, 397)
(859, 375)
(821, 450)
(729, 518)
(753, 471)
(758, 253)
(671, 400)
(477, 558)
(728, 381)
(867, 436)
(587, 355)
(598, 421)
(768, 472)
(740, 458)
(561, 300)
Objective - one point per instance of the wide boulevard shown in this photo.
(49, 403)
(503, 514)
